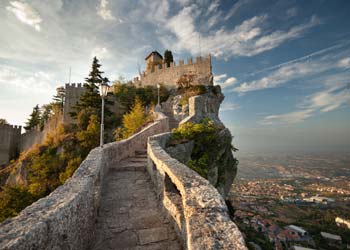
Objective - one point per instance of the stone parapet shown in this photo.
(65, 219)
(195, 207)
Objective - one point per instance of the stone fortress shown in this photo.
(156, 72)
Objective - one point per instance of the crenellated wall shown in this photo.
(10, 139)
(195, 207)
(168, 76)
(65, 219)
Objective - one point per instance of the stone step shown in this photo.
(143, 156)
(138, 159)
(141, 152)
(131, 167)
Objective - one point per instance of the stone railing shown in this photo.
(65, 219)
(195, 207)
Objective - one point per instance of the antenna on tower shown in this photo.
(139, 68)
(70, 74)
(199, 42)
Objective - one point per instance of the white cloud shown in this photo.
(99, 52)
(229, 82)
(344, 63)
(104, 12)
(246, 39)
(25, 13)
(218, 78)
(223, 81)
(184, 2)
(292, 12)
(236, 7)
(228, 106)
(39, 81)
(291, 117)
(290, 71)
(329, 99)
(156, 12)
(213, 6)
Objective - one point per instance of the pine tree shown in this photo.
(91, 99)
(58, 99)
(34, 118)
(46, 113)
(168, 57)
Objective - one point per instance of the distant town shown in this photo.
(293, 201)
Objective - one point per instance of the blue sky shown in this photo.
(283, 65)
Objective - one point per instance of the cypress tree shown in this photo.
(168, 57)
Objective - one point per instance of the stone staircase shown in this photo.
(169, 113)
(129, 216)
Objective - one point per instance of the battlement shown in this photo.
(181, 63)
(74, 85)
(10, 127)
(199, 66)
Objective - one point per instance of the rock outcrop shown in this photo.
(19, 175)
(222, 167)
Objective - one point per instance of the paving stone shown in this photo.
(129, 216)
(152, 235)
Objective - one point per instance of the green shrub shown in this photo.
(190, 91)
(204, 135)
(133, 121)
(13, 200)
(73, 164)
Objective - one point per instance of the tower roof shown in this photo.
(154, 53)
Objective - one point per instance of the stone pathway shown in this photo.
(129, 216)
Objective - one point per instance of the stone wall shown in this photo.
(10, 139)
(65, 219)
(168, 76)
(37, 136)
(195, 207)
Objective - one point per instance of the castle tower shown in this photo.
(10, 139)
(152, 60)
(73, 93)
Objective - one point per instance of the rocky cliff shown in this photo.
(215, 160)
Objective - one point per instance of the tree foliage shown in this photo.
(132, 121)
(89, 138)
(206, 144)
(13, 200)
(90, 99)
(3, 121)
(168, 57)
(59, 98)
(34, 119)
(126, 93)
